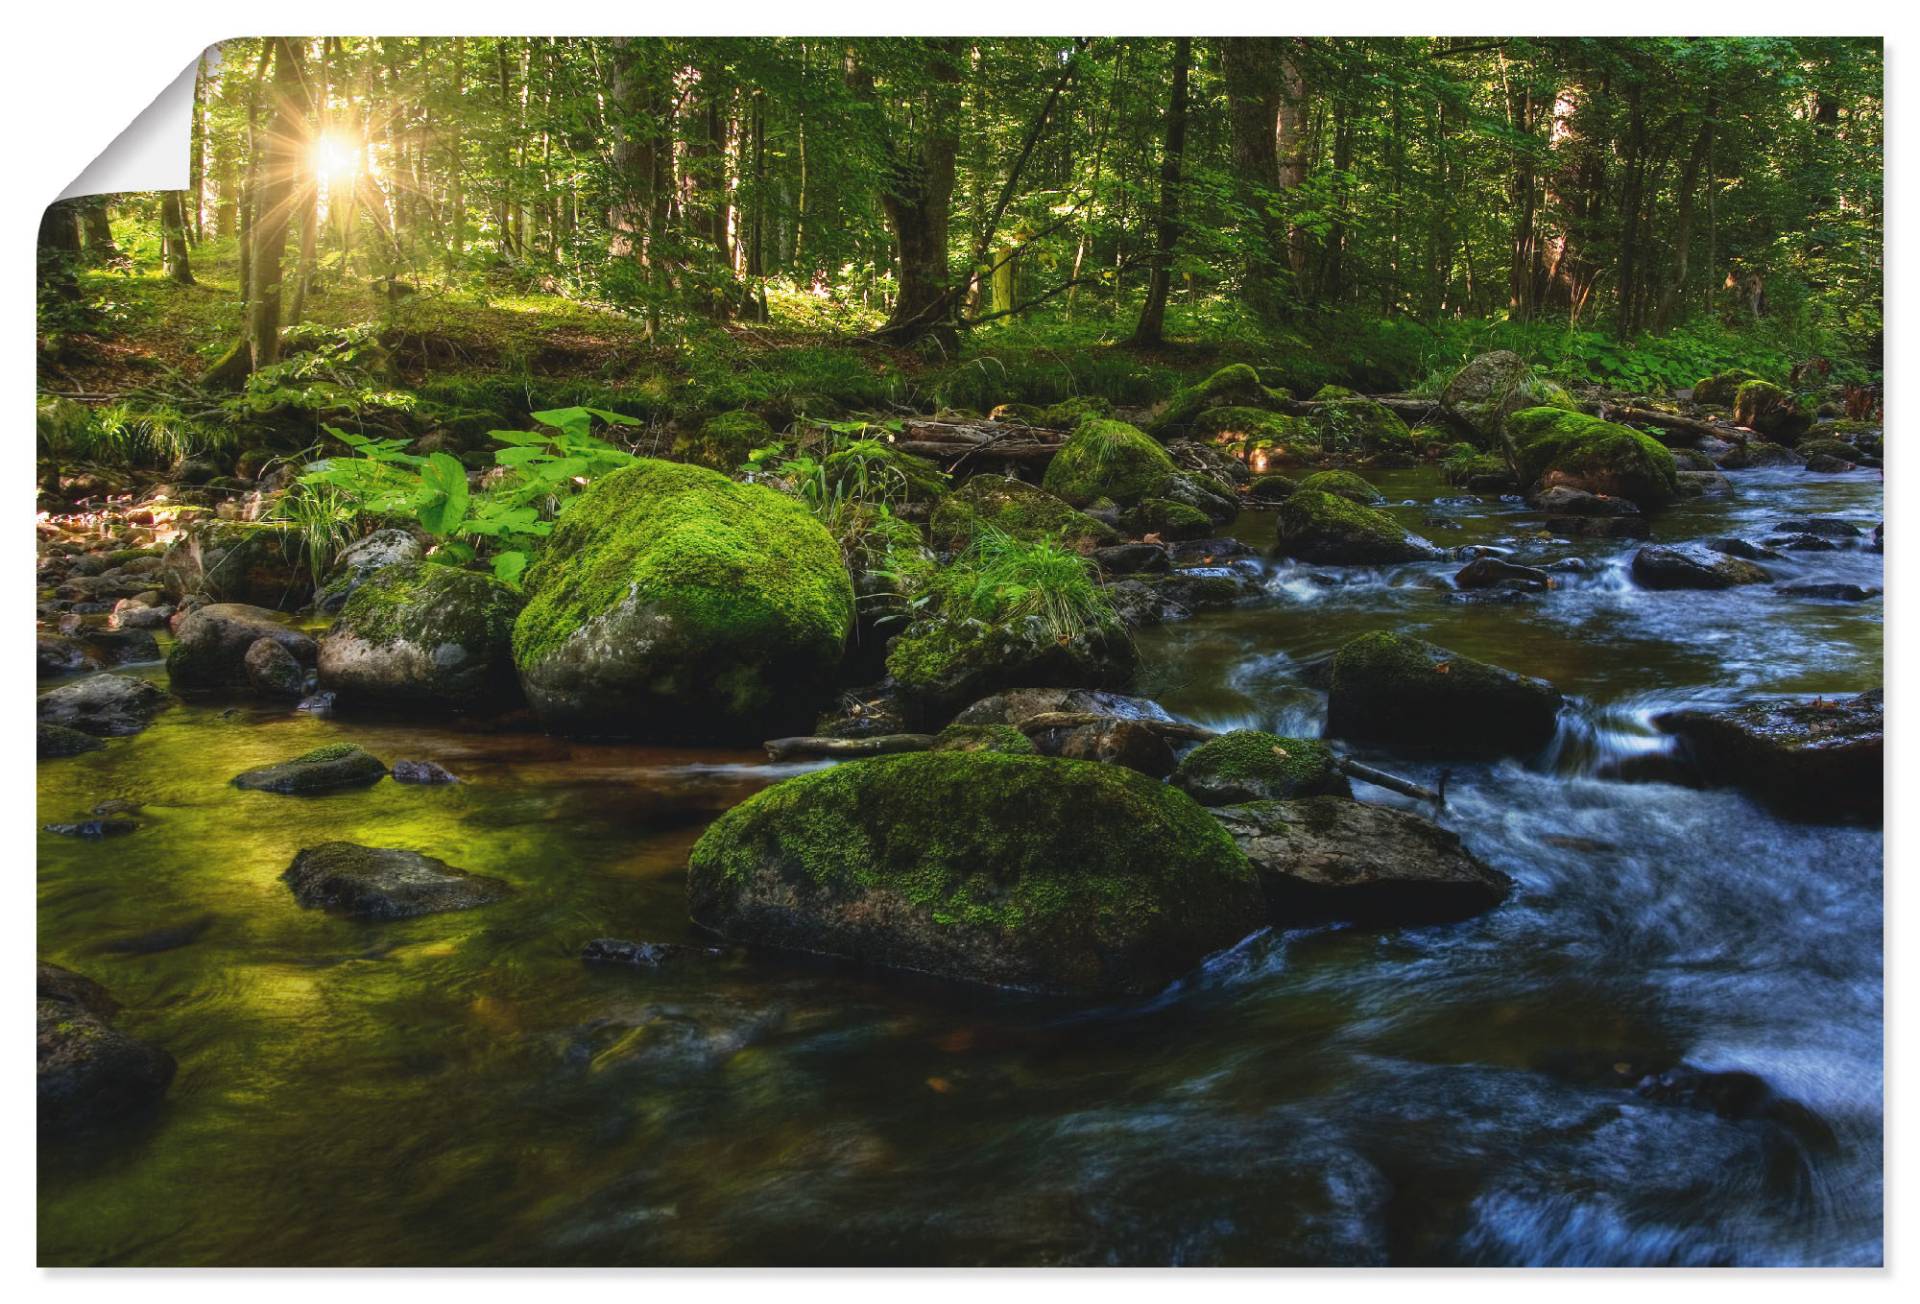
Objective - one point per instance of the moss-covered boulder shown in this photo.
(1771, 410)
(88, 1072)
(259, 563)
(1237, 385)
(1721, 388)
(1389, 688)
(1345, 484)
(324, 769)
(1552, 447)
(363, 558)
(210, 646)
(1319, 527)
(1111, 460)
(1253, 765)
(873, 469)
(1014, 871)
(1273, 438)
(673, 604)
(1027, 512)
(422, 634)
(1494, 386)
(1166, 519)
(722, 442)
(1064, 415)
(941, 662)
(1837, 449)
(1272, 489)
(1345, 422)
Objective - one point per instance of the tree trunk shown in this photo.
(97, 230)
(274, 195)
(58, 249)
(173, 238)
(1676, 286)
(1153, 313)
(917, 200)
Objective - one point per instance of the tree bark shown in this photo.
(917, 201)
(1153, 313)
(173, 238)
(274, 195)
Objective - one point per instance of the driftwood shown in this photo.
(989, 441)
(1393, 782)
(782, 749)
(1669, 421)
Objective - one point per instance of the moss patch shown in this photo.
(1601, 457)
(1344, 484)
(984, 738)
(723, 441)
(1017, 508)
(1108, 459)
(1320, 527)
(1252, 765)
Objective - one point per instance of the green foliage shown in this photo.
(1036, 588)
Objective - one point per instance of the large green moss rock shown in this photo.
(1771, 410)
(324, 769)
(260, 563)
(1320, 527)
(1015, 871)
(943, 663)
(1554, 447)
(1253, 765)
(1389, 688)
(1345, 422)
(1027, 512)
(673, 604)
(874, 470)
(723, 442)
(1494, 386)
(1111, 460)
(1261, 437)
(1344, 484)
(1237, 385)
(423, 634)
(1720, 389)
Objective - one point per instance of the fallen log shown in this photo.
(1393, 782)
(1005, 452)
(1669, 421)
(783, 749)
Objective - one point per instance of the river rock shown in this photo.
(420, 634)
(1556, 447)
(105, 705)
(652, 956)
(211, 645)
(1133, 559)
(1020, 705)
(1344, 484)
(1742, 549)
(272, 671)
(1491, 572)
(1771, 410)
(252, 562)
(337, 765)
(1111, 460)
(1326, 530)
(1131, 743)
(672, 603)
(1660, 567)
(941, 662)
(1826, 527)
(384, 882)
(1025, 511)
(1494, 386)
(983, 738)
(1331, 858)
(1389, 688)
(88, 1071)
(1253, 765)
(1833, 592)
(1565, 500)
(422, 772)
(57, 742)
(1013, 871)
(361, 560)
(1819, 757)
(1757, 454)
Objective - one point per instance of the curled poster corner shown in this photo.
(151, 153)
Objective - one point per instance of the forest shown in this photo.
(982, 650)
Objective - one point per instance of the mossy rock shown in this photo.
(1720, 389)
(673, 604)
(261, 564)
(1064, 415)
(324, 769)
(1108, 459)
(1237, 385)
(1811, 448)
(1014, 871)
(424, 634)
(56, 742)
(984, 738)
(210, 646)
(877, 470)
(1345, 484)
(1320, 527)
(1345, 422)
(1390, 688)
(723, 441)
(1551, 446)
(943, 663)
(1771, 410)
(1253, 765)
(1170, 520)
(1247, 430)
(1494, 386)
(1014, 507)
(1272, 489)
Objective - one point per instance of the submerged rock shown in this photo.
(1388, 688)
(425, 772)
(674, 604)
(107, 706)
(1318, 527)
(212, 642)
(56, 742)
(645, 955)
(1014, 871)
(1661, 567)
(337, 765)
(384, 882)
(1252, 765)
(424, 635)
(1332, 858)
(1820, 758)
(89, 1072)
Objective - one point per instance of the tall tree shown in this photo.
(1153, 313)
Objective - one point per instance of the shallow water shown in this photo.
(461, 1089)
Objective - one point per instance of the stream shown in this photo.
(461, 1089)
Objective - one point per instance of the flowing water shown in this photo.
(461, 1089)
